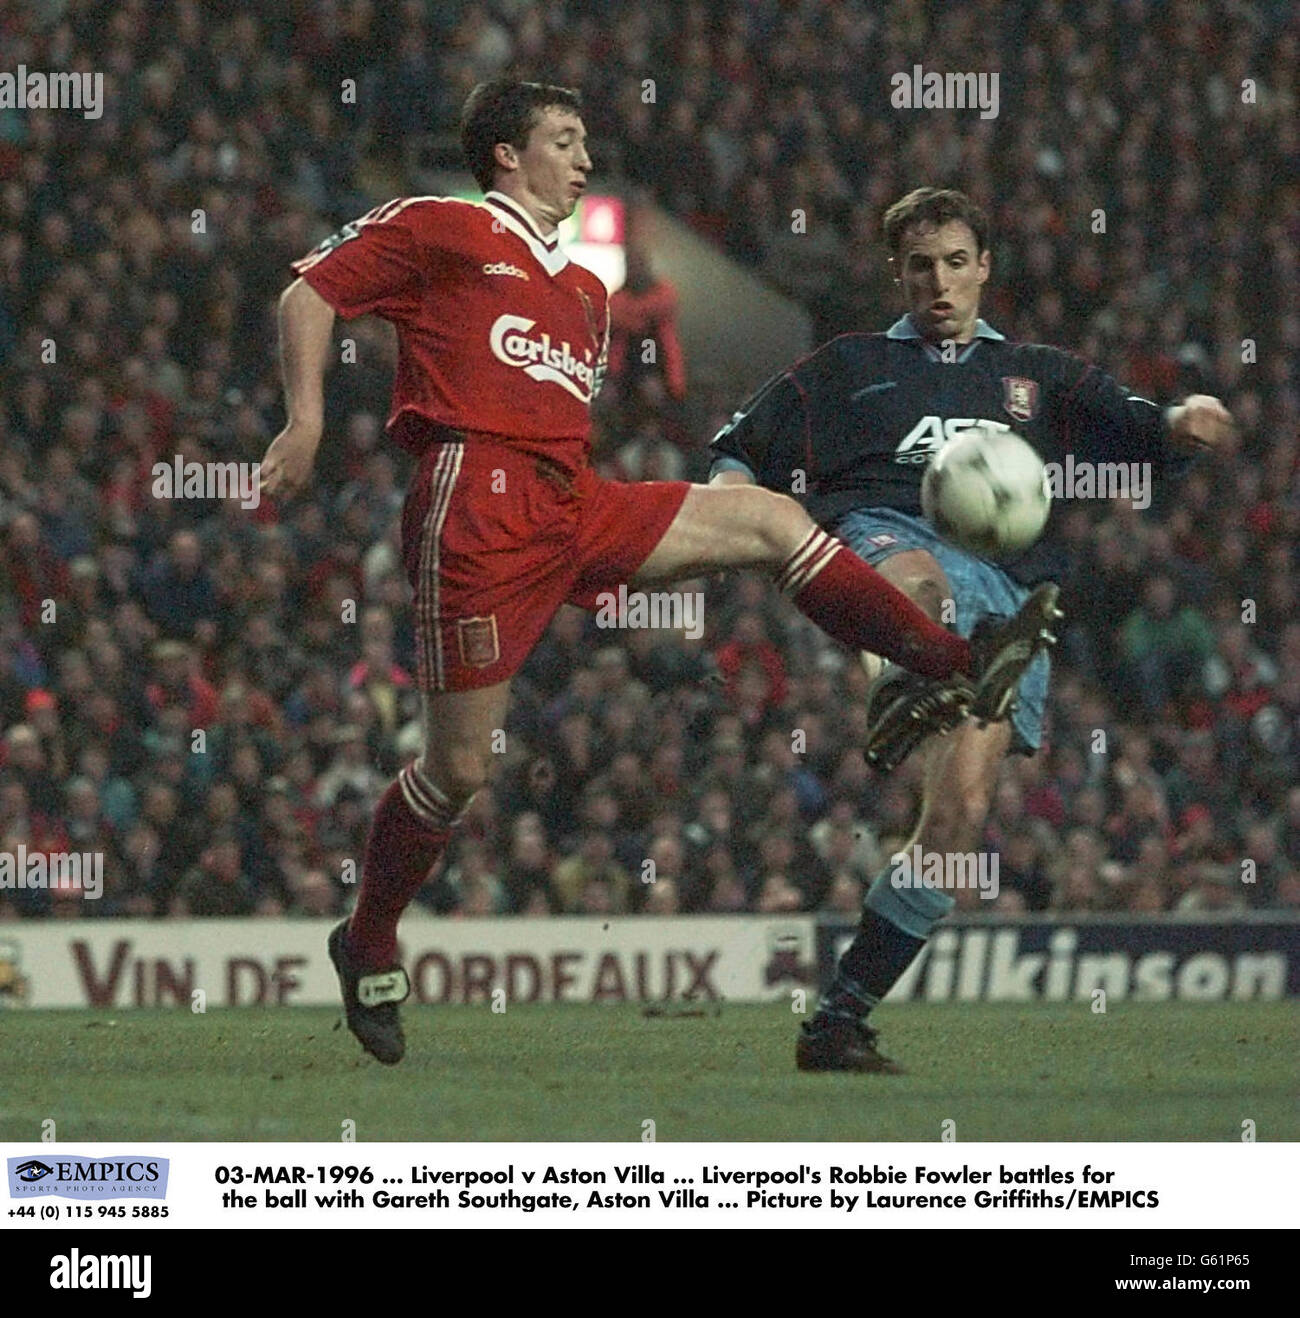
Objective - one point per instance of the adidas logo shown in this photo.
(503, 268)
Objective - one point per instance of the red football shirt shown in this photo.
(497, 330)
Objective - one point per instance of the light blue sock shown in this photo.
(895, 925)
(913, 909)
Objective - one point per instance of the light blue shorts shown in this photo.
(978, 588)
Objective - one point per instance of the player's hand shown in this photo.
(288, 462)
(1199, 423)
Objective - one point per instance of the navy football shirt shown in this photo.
(855, 424)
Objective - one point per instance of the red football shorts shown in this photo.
(495, 539)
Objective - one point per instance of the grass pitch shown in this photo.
(1052, 1072)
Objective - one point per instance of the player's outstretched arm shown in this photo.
(1093, 411)
(306, 331)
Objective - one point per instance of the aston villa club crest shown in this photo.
(1019, 397)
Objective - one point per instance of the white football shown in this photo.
(987, 492)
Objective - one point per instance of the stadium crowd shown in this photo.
(213, 696)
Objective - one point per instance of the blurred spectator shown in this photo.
(1165, 646)
(750, 653)
(593, 862)
(643, 338)
(177, 589)
(530, 866)
(844, 896)
(1021, 869)
(218, 884)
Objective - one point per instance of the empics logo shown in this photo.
(539, 360)
(74, 1177)
(76, 1271)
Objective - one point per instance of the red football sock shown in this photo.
(409, 832)
(852, 602)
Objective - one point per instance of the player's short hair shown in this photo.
(505, 110)
(937, 206)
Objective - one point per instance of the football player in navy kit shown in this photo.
(850, 431)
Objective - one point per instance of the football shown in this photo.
(987, 492)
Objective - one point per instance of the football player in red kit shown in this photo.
(501, 347)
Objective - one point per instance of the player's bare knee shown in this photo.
(923, 581)
(781, 523)
(466, 774)
(930, 594)
(458, 773)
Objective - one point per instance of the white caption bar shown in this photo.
(332, 1186)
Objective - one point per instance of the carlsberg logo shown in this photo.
(539, 360)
